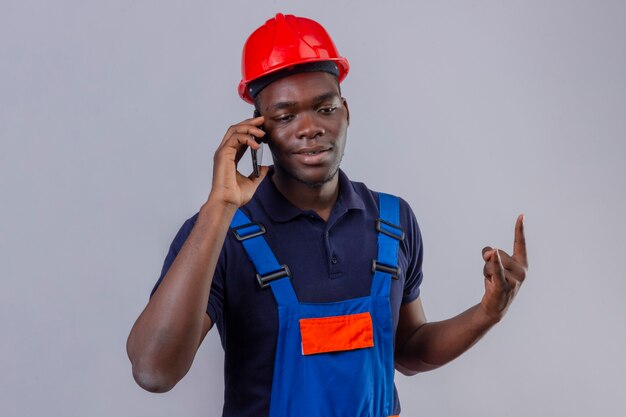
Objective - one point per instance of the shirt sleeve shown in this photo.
(214, 307)
(412, 245)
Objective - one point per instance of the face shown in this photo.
(306, 121)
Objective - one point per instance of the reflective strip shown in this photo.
(336, 333)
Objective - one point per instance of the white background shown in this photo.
(473, 111)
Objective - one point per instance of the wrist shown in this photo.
(216, 208)
(486, 315)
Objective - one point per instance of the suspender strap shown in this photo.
(269, 271)
(390, 233)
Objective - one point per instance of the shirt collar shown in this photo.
(279, 209)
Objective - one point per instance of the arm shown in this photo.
(164, 339)
(423, 346)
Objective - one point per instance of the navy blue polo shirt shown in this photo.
(329, 261)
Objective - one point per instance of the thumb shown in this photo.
(487, 253)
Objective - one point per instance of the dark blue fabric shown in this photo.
(328, 261)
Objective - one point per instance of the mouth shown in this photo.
(312, 156)
(312, 151)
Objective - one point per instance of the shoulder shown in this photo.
(410, 254)
(408, 219)
(371, 199)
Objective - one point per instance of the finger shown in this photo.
(251, 126)
(239, 140)
(487, 252)
(492, 266)
(255, 121)
(246, 127)
(514, 269)
(490, 269)
(514, 272)
(248, 130)
(499, 276)
(519, 245)
(244, 142)
(252, 130)
(238, 143)
(240, 152)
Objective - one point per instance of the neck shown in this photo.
(320, 198)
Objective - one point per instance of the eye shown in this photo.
(283, 118)
(328, 109)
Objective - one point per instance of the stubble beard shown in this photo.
(316, 184)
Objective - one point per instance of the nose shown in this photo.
(309, 127)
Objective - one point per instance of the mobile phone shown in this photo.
(257, 158)
(257, 154)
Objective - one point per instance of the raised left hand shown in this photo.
(504, 274)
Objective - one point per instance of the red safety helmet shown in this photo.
(284, 41)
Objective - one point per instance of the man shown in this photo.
(335, 304)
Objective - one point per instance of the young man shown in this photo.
(312, 280)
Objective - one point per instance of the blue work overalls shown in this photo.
(332, 359)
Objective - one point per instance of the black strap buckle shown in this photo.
(394, 272)
(399, 236)
(264, 281)
(242, 237)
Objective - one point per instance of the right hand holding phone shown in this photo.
(229, 185)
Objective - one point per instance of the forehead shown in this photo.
(298, 88)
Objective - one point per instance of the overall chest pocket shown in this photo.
(336, 333)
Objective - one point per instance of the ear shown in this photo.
(345, 104)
